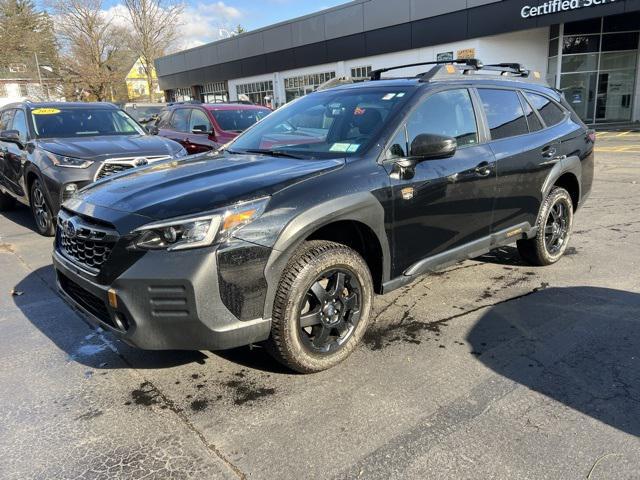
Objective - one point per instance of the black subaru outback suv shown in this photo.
(285, 236)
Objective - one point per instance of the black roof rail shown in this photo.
(506, 68)
(472, 63)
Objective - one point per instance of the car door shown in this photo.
(16, 153)
(524, 152)
(443, 205)
(200, 132)
(178, 128)
(6, 117)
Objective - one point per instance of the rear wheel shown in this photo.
(322, 307)
(42, 213)
(6, 202)
(554, 230)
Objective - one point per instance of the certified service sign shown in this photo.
(558, 6)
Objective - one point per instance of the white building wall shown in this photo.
(529, 47)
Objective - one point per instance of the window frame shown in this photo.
(402, 124)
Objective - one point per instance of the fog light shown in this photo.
(113, 298)
(70, 187)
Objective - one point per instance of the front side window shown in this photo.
(20, 124)
(329, 124)
(180, 120)
(82, 122)
(551, 113)
(504, 113)
(449, 113)
(199, 121)
(5, 119)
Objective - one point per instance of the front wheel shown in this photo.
(42, 213)
(322, 307)
(554, 230)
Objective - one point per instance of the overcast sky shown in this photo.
(206, 21)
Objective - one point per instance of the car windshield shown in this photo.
(238, 120)
(82, 122)
(144, 113)
(330, 124)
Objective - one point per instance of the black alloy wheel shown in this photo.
(331, 312)
(554, 224)
(321, 308)
(41, 210)
(556, 229)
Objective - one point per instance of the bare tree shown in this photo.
(92, 46)
(154, 30)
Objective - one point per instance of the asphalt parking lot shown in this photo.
(490, 369)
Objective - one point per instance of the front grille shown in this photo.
(85, 299)
(84, 243)
(111, 169)
(117, 165)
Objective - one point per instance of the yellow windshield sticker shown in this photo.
(45, 111)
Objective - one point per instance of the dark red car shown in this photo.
(200, 127)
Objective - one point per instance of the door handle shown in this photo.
(483, 169)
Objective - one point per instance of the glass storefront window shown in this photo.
(580, 63)
(615, 95)
(580, 91)
(619, 41)
(580, 44)
(618, 60)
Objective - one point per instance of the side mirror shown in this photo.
(200, 129)
(11, 136)
(152, 129)
(428, 146)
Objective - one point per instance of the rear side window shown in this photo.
(532, 118)
(551, 113)
(504, 113)
(180, 120)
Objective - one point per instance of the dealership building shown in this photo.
(587, 48)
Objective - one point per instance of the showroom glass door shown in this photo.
(595, 63)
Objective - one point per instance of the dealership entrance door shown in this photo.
(595, 63)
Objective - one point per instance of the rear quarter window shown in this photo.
(551, 113)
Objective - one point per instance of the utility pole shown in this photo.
(35, 54)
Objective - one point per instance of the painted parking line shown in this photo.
(628, 149)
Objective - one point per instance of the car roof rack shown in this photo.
(463, 67)
(472, 63)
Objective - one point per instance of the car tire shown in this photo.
(41, 210)
(322, 307)
(7, 202)
(554, 225)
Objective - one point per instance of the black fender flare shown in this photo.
(360, 207)
(570, 164)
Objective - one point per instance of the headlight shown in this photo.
(198, 231)
(68, 162)
(180, 153)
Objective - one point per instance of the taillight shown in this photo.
(592, 135)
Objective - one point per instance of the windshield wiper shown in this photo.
(273, 153)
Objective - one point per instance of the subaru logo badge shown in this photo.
(140, 162)
(70, 228)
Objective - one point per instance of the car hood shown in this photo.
(197, 184)
(103, 147)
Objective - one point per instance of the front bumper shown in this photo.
(164, 302)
